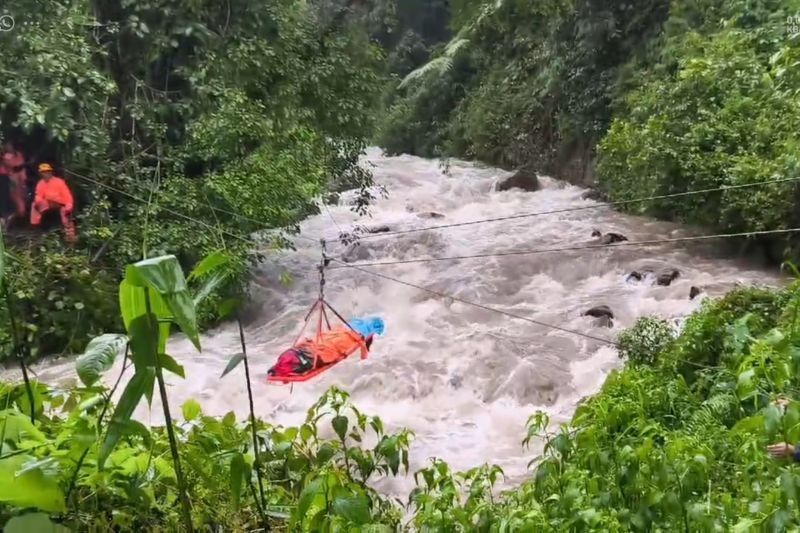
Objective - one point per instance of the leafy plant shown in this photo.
(648, 337)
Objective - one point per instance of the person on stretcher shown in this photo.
(333, 346)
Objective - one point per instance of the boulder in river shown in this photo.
(600, 311)
(666, 277)
(635, 276)
(594, 194)
(430, 214)
(378, 229)
(694, 292)
(609, 238)
(524, 179)
(356, 252)
(603, 322)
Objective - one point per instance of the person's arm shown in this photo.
(784, 450)
(39, 196)
(66, 196)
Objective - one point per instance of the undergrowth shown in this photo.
(675, 441)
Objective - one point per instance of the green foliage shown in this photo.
(99, 356)
(187, 128)
(320, 482)
(648, 337)
(90, 472)
(523, 82)
(719, 111)
(59, 299)
(653, 450)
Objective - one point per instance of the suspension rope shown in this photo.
(479, 306)
(576, 248)
(580, 208)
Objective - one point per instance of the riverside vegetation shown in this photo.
(675, 440)
(640, 98)
(208, 110)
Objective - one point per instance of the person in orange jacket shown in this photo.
(52, 193)
(14, 163)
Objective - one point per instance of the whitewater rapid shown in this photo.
(464, 379)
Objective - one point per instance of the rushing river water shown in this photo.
(462, 378)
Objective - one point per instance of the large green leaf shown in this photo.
(340, 426)
(143, 351)
(168, 363)
(99, 356)
(238, 467)
(133, 304)
(353, 508)
(208, 287)
(307, 506)
(164, 275)
(191, 410)
(211, 263)
(141, 382)
(33, 523)
(32, 488)
(233, 363)
(15, 427)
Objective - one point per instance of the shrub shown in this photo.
(645, 341)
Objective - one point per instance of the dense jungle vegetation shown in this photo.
(187, 127)
(182, 127)
(639, 98)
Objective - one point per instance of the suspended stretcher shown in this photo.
(328, 347)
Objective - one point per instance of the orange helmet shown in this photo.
(45, 167)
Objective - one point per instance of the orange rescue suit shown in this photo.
(54, 194)
(335, 345)
(54, 191)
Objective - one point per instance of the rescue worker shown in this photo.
(53, 193)
(14, 162)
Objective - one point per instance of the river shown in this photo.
(464, 379)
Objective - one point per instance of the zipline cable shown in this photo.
(580, 208)
(576, 248)
(479, 306)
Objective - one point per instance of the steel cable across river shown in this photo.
(464, 379)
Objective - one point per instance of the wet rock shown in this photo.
(694, 292)
(593, 194)
(603, 322)
(456, 382)
(430, 214)
(600, 311)
(635, 276)
(355, 252)
(379, 229)
(666, 277)
(524, 179)
(609, 238)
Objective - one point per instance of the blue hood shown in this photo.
(368, 325)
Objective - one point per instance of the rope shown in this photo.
(576, 248)
(479, 306)
(581, 208)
